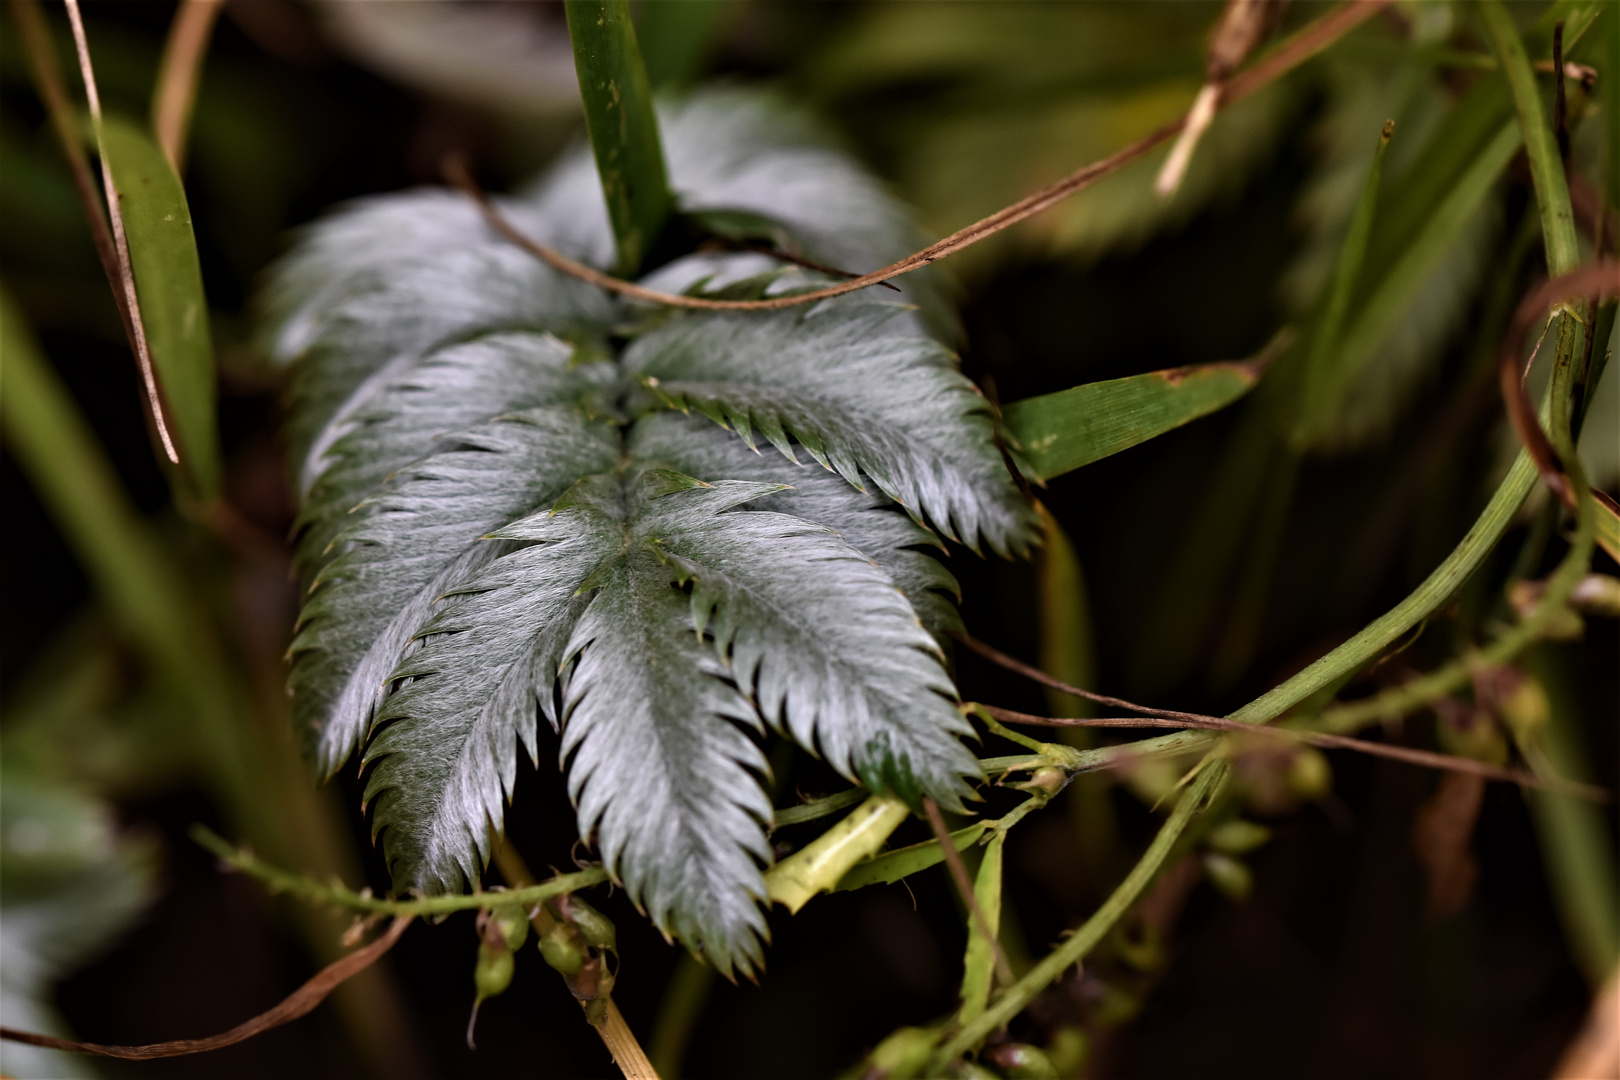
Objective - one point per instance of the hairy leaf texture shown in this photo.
(857, 400)
(508, 512)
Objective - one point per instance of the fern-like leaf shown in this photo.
(503, 519)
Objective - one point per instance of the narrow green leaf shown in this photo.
(979, 964)
(824, 863)
(1546, 167)
(1399, 286)
(891, 866)
(1063, 431)
(1068, 647)
(624, 130)
(168, 281)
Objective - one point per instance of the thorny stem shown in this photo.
(1292, 52)
(1011, 1002)
(1411, 756)
(280, 880)
(616, 1035)
(964, 885)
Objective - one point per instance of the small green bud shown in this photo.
(1309, 774)
(512, 923)
(1068, 1049)
(1238, 837)
(1020, 1061)
(1471, 732)
(970, 1070)
(1522, 704)
(1229, 875)
(903, 1055)
(1045, 782)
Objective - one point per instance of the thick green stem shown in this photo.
(619, 114)
(1546, 167)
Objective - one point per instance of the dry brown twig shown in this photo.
(178, 73)
(299, 1003)
(126, 272)
(1295, 50)
(1242, 25)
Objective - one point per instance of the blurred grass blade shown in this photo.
(676, 36)
(1325, 338)
(624, 129)
(1401, 284)
(979, 964)
(63, 460)
(168, 280)
(1068, 648)
(1574, 837)
(1060, 432)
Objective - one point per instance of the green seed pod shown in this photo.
(1229, 875)
(971, 1070)
(1238, 837)
(1020, 1061)
(597, 929)
(493, 973)
(491, 976)
(563, 948)
(513, 925)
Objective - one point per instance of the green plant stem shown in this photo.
(623, 127)
(1546, 168)
(306, 888)
(1011, 1002)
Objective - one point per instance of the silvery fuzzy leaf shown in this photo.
(418, 538)
(856, 399)
(658, 764)
(867, 520)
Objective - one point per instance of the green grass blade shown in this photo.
(1068, 647)
(619, 114)
(1400, 284)
(979, 964)
(1546, 169)
(1573, 835)
(891, 866)
(1063, 431)
(168, 281)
